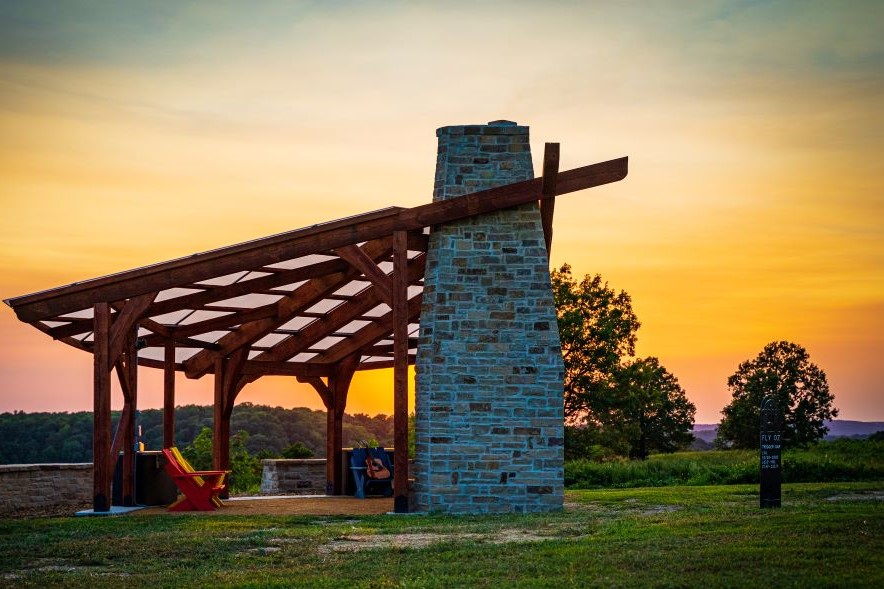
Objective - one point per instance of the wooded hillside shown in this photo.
(27, 438)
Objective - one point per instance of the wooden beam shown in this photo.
(400, 372)
(339, 385)
(261, 252)
(128, 494)
(228, 372)
(321, 388)
(258, 369)
(169, 394)
(359, 260)
(125, 321)
(102, 471)
(548, 202)
(220, 426)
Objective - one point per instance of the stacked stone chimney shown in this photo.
(489, 405)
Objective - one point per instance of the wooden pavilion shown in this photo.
(316, 304)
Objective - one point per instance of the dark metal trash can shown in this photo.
(152, 485)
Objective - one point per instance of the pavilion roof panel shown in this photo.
(353, 326)
(248, 301)
(203, 315)
(289, 287)
(172, 318)
(352, 288)
(300, 262)
(225, 280)
(326, 342)
(378, 311)
(270, 340)
(174, 293)
(297, 323)
(323, 306)
(210, 336)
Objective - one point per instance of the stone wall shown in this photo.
(297, 476)
(489, 404)
(31, 486)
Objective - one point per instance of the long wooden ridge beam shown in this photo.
(285, 246)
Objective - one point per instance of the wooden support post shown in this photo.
(102, 471)
(400, 371)
(221, 434)
(228, 383)
(169, 395)
(128, 427)
(334, 397)
(339, 386)
(548, 202)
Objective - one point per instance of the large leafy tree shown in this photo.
(782, 370)
(597, 328)
(652, 412)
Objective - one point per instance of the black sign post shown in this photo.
(771, 454)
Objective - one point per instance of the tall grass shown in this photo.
(841, 460)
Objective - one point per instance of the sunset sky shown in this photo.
(133, 132)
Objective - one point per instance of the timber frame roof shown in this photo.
(296, 303)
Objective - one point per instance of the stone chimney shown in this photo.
(489, 404)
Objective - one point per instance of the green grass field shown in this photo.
(825, 535)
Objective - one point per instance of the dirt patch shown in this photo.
(359, 542)
(293, 505)
(870, 496)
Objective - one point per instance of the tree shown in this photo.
(784, 371)
(652, 412)
(597, 328)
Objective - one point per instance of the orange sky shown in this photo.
(752, 212)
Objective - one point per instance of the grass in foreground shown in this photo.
(826, 535)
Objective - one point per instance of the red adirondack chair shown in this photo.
(199, 489)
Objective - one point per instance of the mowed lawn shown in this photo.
(825, 535)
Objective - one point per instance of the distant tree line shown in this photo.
(28, 438)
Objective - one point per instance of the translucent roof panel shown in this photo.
(172, 318)
(379, 311)
(352, 288)
(249, 301)
(182, 354)
(353, 326)
(323, 306)
(270, 340)
(297, 323)
(200, 316)
(301, 262)
(210, 336)
(326, 343)
(289, 287)
(225, 280)
(174, 293)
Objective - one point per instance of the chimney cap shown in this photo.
(502, 123)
